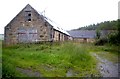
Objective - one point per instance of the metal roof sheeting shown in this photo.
(89, 33)
(82, 33)
(55, 26)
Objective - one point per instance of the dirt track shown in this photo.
(107, 68)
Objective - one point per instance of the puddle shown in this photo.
(29, 72)
(107, 68)
(69, 73)
(48, 67)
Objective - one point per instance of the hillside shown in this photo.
(106, 25)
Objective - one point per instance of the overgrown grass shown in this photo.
(54, 60)
(0, 58)
(109, 52)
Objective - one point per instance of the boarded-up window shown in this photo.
(32, 34)
(22, 35)
(27, 35)
(28, 15)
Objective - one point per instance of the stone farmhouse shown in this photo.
(29, 26)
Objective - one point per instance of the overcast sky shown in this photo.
(68, 14)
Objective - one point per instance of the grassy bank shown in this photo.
(0, 58)
(58, 60)
(109, 52)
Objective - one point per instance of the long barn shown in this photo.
(29, 26)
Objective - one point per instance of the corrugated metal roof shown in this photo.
(89, 33)
(82, 33)
(56, 26)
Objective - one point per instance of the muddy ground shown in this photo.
(106, 68)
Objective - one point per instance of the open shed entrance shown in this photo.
(85, 40)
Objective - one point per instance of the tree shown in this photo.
(118, 36)
(118, 26)
(115, 38)
(98, 34)
(106, 25)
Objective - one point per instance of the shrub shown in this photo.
(101, 41)
(114, 39)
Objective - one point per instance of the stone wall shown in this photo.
(59, 36)
(27, 26)
(84, 40)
